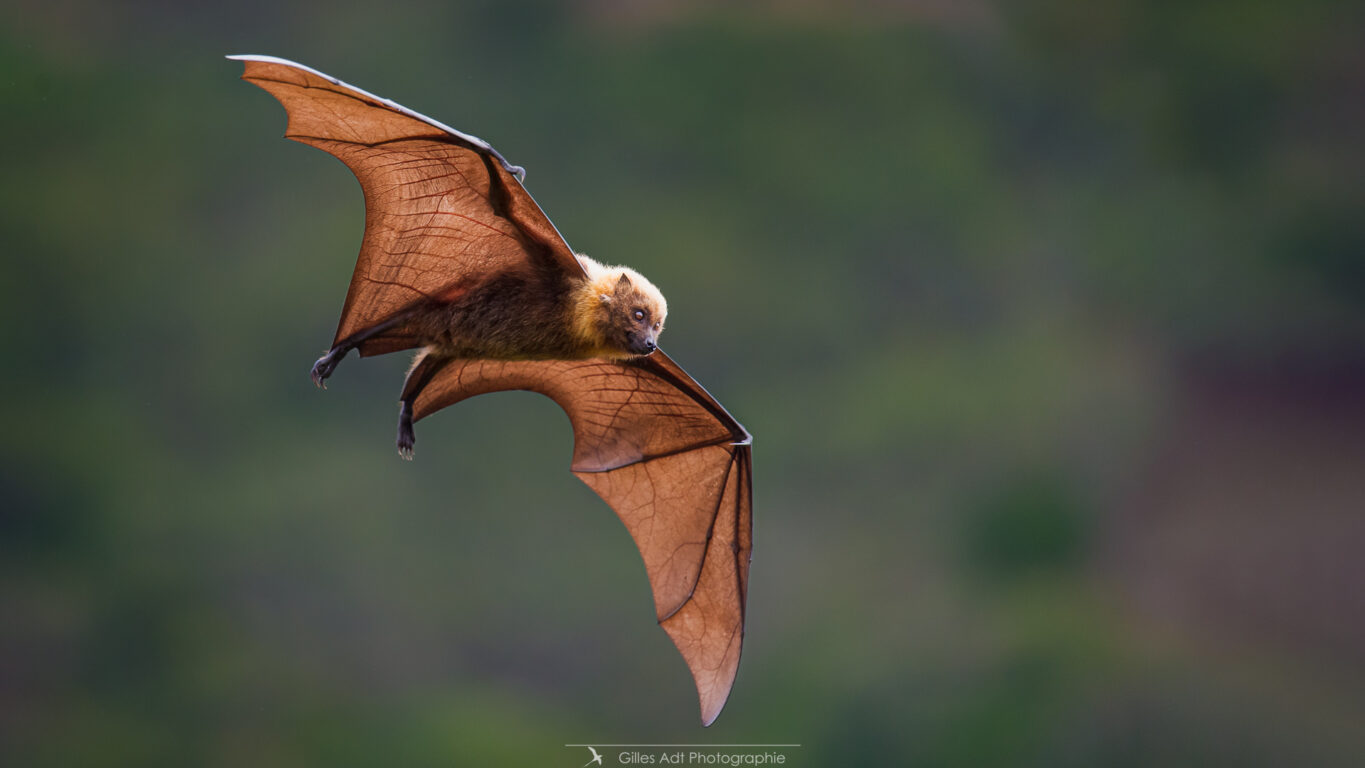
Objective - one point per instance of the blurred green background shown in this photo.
(1048, 318)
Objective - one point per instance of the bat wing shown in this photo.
(442, 208)
(676, 469)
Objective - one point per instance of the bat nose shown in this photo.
(650, 345)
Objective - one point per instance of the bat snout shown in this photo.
(640, 344)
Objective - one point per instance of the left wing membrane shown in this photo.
(673, 465)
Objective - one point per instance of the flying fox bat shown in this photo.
(459, 262)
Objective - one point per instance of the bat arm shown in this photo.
(482, 145)
(598, 467)
(661, 363)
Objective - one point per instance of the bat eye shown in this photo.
(639, 314)
(657, 325)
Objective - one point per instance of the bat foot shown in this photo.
(406, 437)
(324, 367)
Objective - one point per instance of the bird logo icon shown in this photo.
(596, 758)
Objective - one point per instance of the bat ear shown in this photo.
(623, 286)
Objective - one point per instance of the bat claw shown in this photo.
(405, 442)
(324, 367)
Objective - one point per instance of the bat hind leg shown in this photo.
(423, 369)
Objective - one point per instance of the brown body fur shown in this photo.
(613, 312)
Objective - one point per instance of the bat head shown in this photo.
(620, 313)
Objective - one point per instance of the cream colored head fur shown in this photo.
(604, 310)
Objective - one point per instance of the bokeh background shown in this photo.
(1048, 317)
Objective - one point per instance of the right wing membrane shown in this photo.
(442, 209)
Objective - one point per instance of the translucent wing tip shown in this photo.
(711, 707)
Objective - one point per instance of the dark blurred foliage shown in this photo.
(1025, 526)
(1048, 317)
